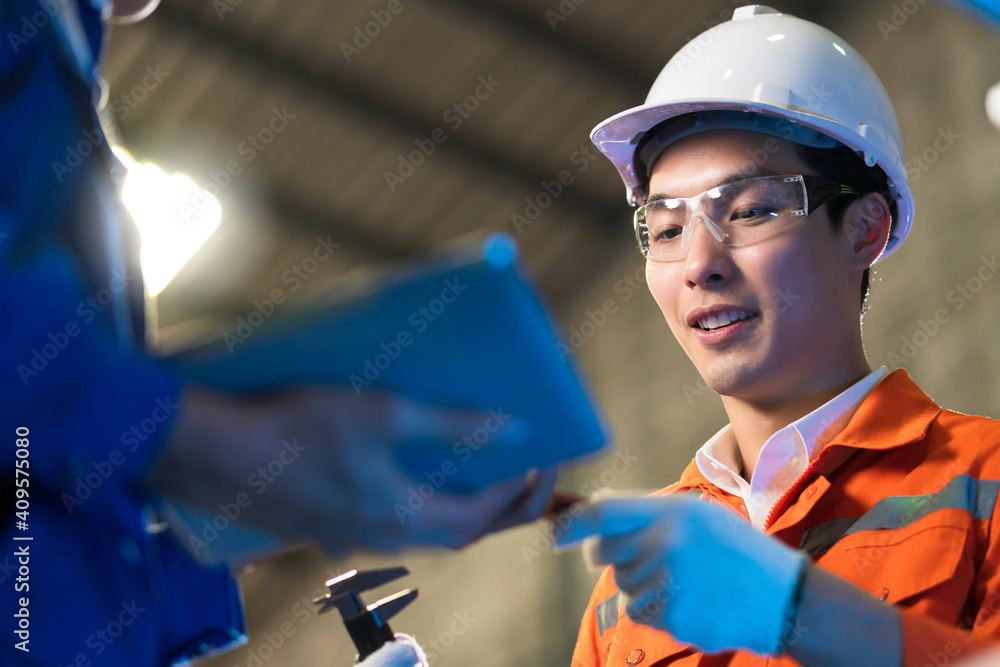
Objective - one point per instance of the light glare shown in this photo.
(174, 216)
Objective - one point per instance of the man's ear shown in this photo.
(866, 222)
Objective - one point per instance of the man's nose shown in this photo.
(707, 262)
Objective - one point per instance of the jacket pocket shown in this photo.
(928, 562)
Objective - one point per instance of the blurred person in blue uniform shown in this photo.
(97, 435)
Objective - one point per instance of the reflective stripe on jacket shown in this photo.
(902, 503)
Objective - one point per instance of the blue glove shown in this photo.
(403, 652)
(695, 569)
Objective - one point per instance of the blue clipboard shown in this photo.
(465, 330)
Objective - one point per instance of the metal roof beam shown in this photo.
(377, 106)
(539, 29)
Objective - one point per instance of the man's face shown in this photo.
(797, 289)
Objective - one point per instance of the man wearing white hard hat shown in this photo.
(841, 517)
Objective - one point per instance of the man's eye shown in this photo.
(753, 213)
(668, 234)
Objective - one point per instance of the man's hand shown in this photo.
(318, 463)
(694, 569)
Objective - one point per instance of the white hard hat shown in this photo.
(771, 73)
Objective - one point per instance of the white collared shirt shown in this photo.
(785, 455)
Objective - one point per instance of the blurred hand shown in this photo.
(694, 569)
(318, 463)
(403, 652)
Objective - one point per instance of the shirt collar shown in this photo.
(719, 459)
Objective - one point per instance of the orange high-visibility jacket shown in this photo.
(902, 503)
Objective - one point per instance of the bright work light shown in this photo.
(175, 218)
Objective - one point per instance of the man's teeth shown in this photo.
(722, 319)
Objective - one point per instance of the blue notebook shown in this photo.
(465, 329)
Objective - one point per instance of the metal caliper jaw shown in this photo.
(368, 625)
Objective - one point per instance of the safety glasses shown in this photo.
(738, 213)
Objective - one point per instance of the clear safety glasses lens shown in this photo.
(738, 213)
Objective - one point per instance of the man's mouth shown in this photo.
(724, 319)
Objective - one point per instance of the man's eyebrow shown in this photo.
(732, 178)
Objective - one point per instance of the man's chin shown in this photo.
(728, 376)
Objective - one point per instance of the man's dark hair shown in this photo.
(843, 165)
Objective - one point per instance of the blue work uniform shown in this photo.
(88, 576)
